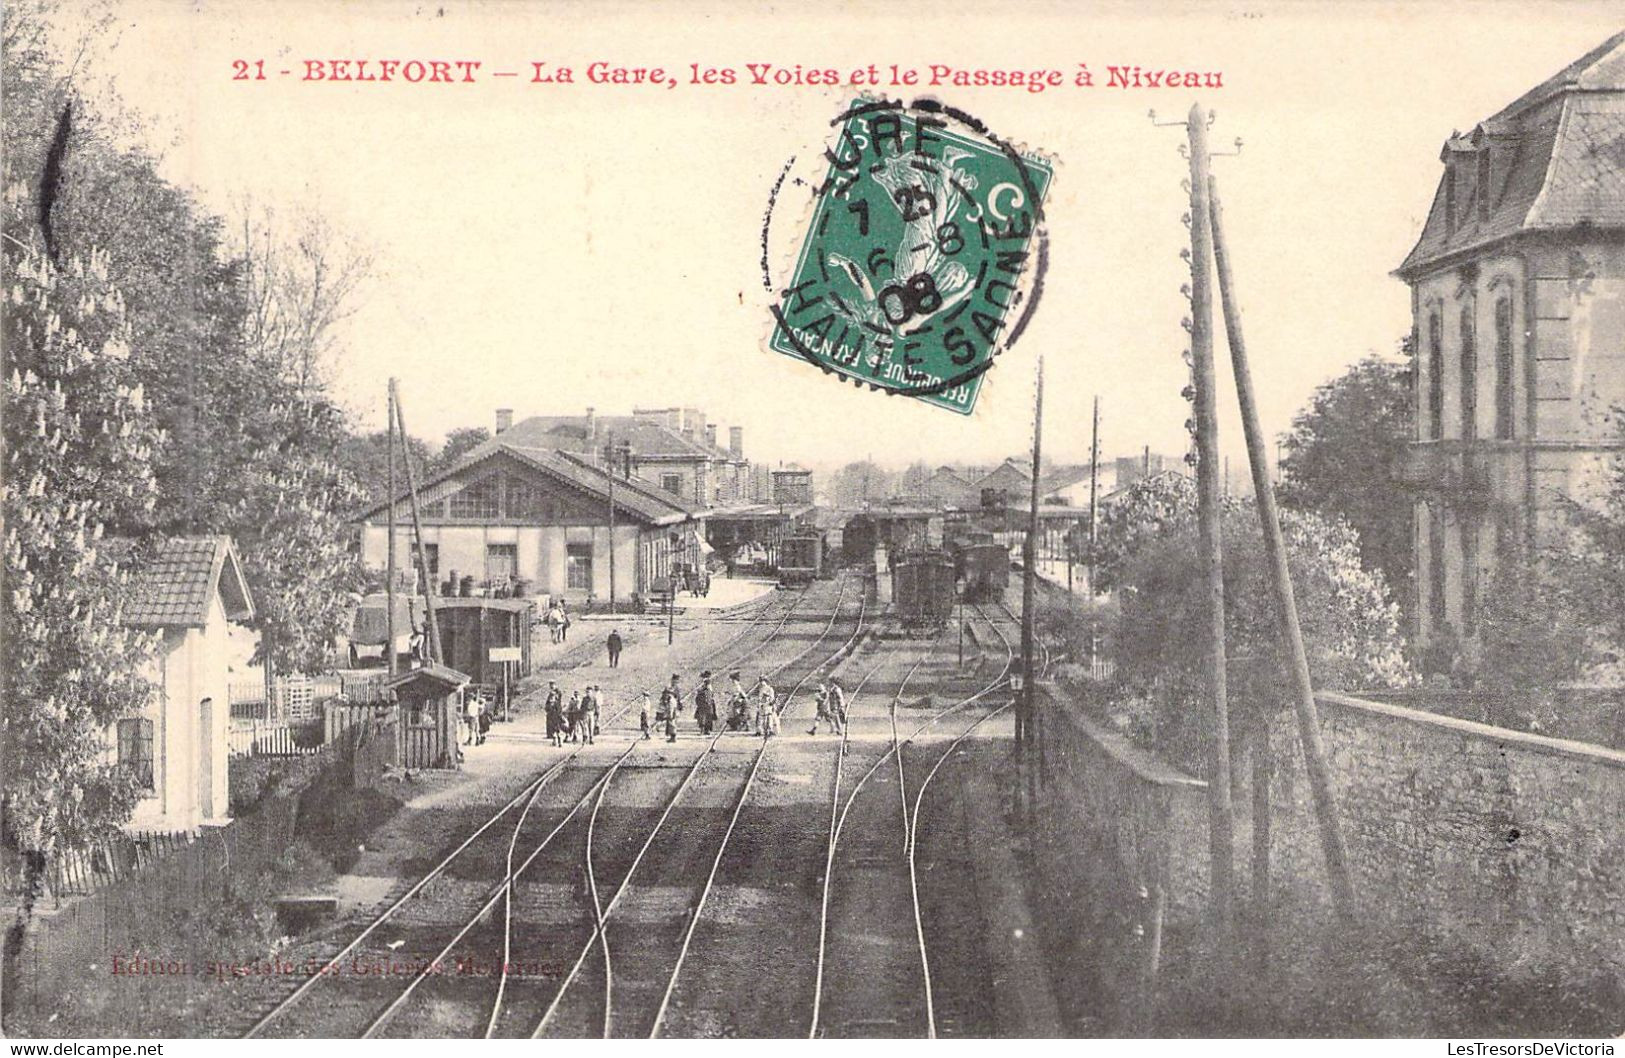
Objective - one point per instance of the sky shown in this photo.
(550, 247)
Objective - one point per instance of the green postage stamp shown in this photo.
(924, 256)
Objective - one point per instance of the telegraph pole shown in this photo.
(1029, 577)
(1094, 522)
(1314, 751)
(1221, 825)
(609, 465)
(417, 528)
(389, 568)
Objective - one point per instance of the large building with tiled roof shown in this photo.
(189, 591)
(1518, 301)
(675, 449)
(518, 515)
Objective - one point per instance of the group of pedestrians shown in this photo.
(756, 707)
(576, 720)
(755, 710)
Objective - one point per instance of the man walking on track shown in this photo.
(671, 703)
(555, 713)
(705, 704)
(643, 714)
(589, 715)
(614, 644)
(767, 713)
(829, 712)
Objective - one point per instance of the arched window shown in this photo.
(1469, 375)
(1504, 424)
(1435, 414)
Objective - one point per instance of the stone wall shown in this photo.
(1496, 850)
(1500, 844)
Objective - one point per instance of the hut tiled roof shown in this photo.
(175, 588)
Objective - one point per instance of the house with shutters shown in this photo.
(1518, 306)
(188, 593)
(536, 521)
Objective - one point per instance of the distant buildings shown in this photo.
(1518, 303)
(176, 749)
(674, 449)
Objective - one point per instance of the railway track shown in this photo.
(881, 989)
(368, 963)
(634, 958)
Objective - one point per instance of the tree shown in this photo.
(1342, 458)
(365, 458)
(1351, 627)
(1150, 509)
(229, 349)
(862, 482)
(79, 438)
(459, 443)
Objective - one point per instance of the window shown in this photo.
(1469, 375)
(525, 500)
(501, 562)
(1449, 197)
(135, 749)
(437, 509)
(1435, 417)
(672, 483)
(1436, 608)
(1503, 369)
(578, 567)
(1469, 576)
(431, 557)
(1482, 191)
(482, 499)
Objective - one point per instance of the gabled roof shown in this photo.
(175, 589)
(431, 672)
(632, 495)
(1062, 477)
(1557, 161)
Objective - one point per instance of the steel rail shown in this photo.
(733, 820)
(601, 915)
(911, 825)
(857, 788)
(527, 794)
(837, 818)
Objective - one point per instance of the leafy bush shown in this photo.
(1351, 628)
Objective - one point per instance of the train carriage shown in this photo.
(801, 558)
(923, 588)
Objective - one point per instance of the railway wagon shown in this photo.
(983, 570)
(859, 536)
(923, 587)
(801, 558)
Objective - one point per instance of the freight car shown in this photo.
(923, 588)
(801, 558)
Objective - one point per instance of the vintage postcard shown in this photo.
(548, 519)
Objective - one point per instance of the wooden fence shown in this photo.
(254, 738)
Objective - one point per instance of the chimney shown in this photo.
(504, 419)
(592, 431)
(736, 441)
(674, 420)
(711, 434)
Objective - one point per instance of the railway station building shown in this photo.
(532, 521)
(1518, 307)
